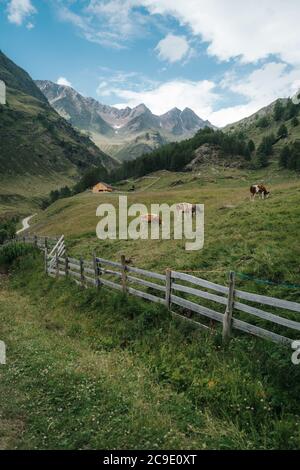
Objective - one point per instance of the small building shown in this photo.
(102, 188)
(2, 92)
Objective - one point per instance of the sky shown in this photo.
(221, 58)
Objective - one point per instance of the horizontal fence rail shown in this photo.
(183, 294)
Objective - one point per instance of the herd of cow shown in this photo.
(188, 208)
(181, 207)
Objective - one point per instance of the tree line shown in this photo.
(175, 156)
(7, 228)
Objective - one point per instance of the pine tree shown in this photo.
(291, 109)
(282, 132)
(263, 122)
(278, 111)
(251, 146)
(284, 157)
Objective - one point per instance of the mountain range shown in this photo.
(39, 150)
(123, 133)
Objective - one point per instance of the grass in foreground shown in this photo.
(99, 370)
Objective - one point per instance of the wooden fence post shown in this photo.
(81, 272)
(96, 271)
(124, 275)
(168, 288)
(35, 240)
(46, 260)
(227, 320)
(57, 264)
(46, 243)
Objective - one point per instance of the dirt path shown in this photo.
(25, 223)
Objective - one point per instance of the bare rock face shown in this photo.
(296, 97)
(207, 153)
(211, 154)
(120, 131)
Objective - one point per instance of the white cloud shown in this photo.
(252, 92)
(265, 27)
(63, 81)
(19, 10)
(111, 80)
(260, 88)
(198, 95)
(265, 34)
(267, 83)
(172, 48)
(111, 23)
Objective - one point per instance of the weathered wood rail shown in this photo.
(179, 292)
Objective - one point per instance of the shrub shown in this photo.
(290, 156)
(278, 111)
(282, 132)
(285, 155)
(7, 229)
(263, 122)
(12, 251)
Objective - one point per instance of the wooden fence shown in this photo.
(179, 292)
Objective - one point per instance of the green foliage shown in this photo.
(90, 178)
(291, 109)
(278, 112)
(102, 367)
(295, 121)
(284, 157)
(175, 156)
(57, 194)
(263, 122)
(251, 146)
(264, 150)
(7, 229)
(290, 156)
(34, 139)
(12, 251)
(282, 132)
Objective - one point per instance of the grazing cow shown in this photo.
(258, 189)
(149, 218)
(183, 207)
(186, 207)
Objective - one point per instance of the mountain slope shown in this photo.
(43, 129)
(120, 131)
(268, 119)
(36, 144)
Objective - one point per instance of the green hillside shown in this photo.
(232, 238)
(268, 120)
(119, 364)
(39, 150)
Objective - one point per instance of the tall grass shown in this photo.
(101, 370)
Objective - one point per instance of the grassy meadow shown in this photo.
(259, 238)
(97, 370)
(88, 369)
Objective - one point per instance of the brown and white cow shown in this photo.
(258, 189)
(186, 207)
(149, 218)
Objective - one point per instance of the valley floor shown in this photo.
(259, 239)
(89, 370)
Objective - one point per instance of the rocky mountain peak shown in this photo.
(112, 125)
